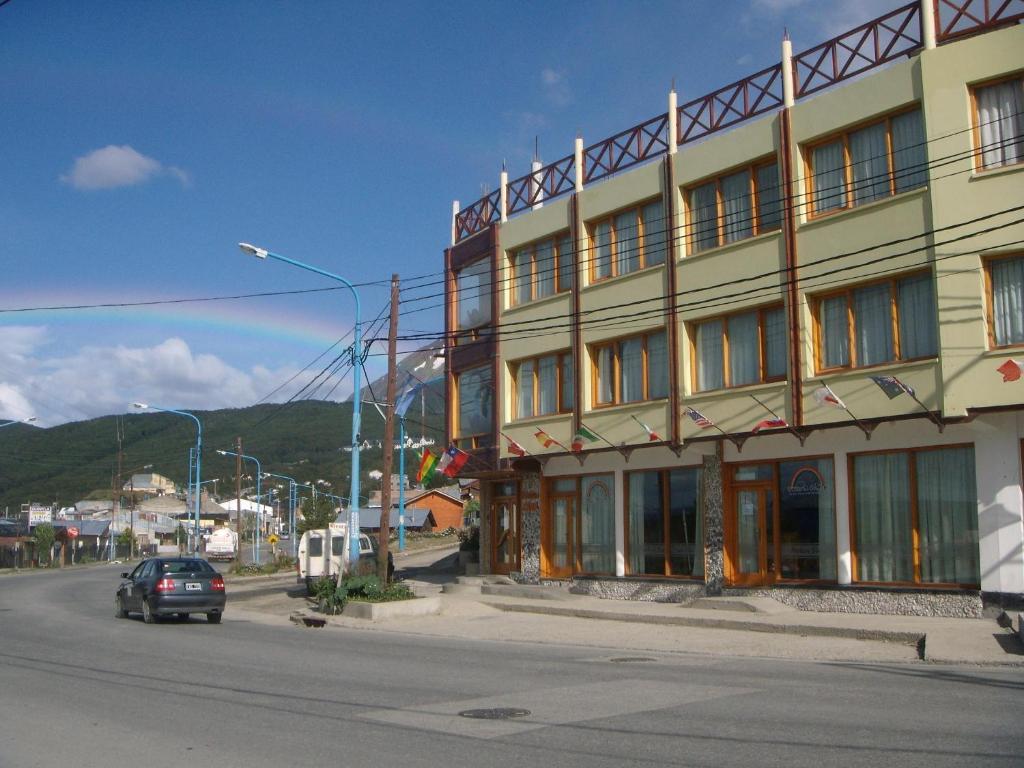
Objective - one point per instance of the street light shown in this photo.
(292, 493)
(353, 523)
(29, 420)
(259, 493)
(199, 456)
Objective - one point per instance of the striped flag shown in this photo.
(652, 436)
(1011, 370)
(583, 435)
(452, 461)
(699, 419)
(514, 447)
(428, 462)
(825, 396)
(769, 424)
(892, 386)
(547, 440)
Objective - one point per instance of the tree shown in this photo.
(316, 515)
(126, 540)
(44, 536)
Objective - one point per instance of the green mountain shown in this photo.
(304, 439)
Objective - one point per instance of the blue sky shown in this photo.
(142, 141)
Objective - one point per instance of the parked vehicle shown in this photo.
(222, 544)
(164, 586)
(314, 564)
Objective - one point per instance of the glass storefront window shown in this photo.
(807, 543)
(665, 523)
(597, 525)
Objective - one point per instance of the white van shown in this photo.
(222, 544)
(323, 553)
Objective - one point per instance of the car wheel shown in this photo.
(213, 618)
(119, 610)
(147, 613)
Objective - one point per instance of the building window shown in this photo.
(734, 207)
(543, 385)
(745, 348)
(597, 525)
(628, 241)
(877, 323)
(999, 117)
(916, 517)
(541, 269)
(631, 370)
(474, 391)
(1005, 280)
(665, 523)
(876, 161)
(473, 295)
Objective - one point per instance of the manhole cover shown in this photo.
(631, 659)
(499, 713)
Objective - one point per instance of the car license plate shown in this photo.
(193, 586)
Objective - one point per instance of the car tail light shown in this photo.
(165, 585)
(217, 583)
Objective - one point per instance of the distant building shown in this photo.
(151, 483)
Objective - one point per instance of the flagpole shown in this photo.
(773, 413)
(618, 448)
(516, 442)
(867, 430)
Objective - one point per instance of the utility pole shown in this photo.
(115, 511)
(389, 438)
(238, 495)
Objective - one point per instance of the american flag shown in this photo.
(699, 419)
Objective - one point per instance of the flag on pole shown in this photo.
(583, 435)
(652, 436)
(1011, 370)
(699, 419)
(825, 396)
(514, 447)
(769, 424)
(547, 440)
(892, 386)
(428, 463)
(452, 461)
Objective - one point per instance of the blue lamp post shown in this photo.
(292, 493)
(259, 494)
(198, 455)
(357, 400)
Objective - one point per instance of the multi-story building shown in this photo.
(765, 340)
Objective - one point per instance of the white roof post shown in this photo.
(928, 24)
(673, 121)
(504, 195)
(788, 86)
(455, 213)
(578, 163)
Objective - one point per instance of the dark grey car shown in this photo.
(165, 586)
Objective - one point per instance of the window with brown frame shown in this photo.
(734, 206)
(541, 269)
(877, 160)
(880, 322)
(543, 385)
(1004, 281)
(473, 295)
(998, 108)
(474, 398)
(740, 349)
(627, 241)
(915, 516)
(630, 370)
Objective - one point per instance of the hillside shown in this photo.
(63, 464)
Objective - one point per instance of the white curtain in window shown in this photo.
(474, 294)
(631, 363)
(909, 161)
(915, 302)
(564, 263)
(657, 366)
(737, 219)
(703, 218)
(597, 525)
(829, 181)
(521, 274)
(603, 250)
(567, 385)
(882, 511)
(775, 362)
(826, 522)
(872, 322)
(947, 513)
(1001, 123)
(653, 217)
(545, 269)
(605, 375)
(1008, 300)
(744, 349)
(769, 205)
(524, 390)
(547, 385)
(835, 337)
(476, 401)
(710, 372)
(869, 158)
(627, 243)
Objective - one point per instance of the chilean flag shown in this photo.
(452, 461)
(1011, 370)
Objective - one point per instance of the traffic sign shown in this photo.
(272, 539)
(72, 532)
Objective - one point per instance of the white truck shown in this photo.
(323, 553)
(222, 544)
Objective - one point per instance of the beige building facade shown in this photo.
(769, 340)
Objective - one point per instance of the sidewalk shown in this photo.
(555, 616)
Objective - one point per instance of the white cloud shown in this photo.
(556, 86)
(112, 167)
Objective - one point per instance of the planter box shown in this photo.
(420, 606)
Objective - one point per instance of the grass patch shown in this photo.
(331, 598)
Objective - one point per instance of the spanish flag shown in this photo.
(427, 464)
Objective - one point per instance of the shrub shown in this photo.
(367, 588)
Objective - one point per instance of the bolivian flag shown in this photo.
(427, 464)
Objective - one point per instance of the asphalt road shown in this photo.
(79, 687)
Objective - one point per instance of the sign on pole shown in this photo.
(39, 514)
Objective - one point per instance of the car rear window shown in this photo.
(187, 566)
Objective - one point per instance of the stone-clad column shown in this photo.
(529, 527)
(714, 551)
